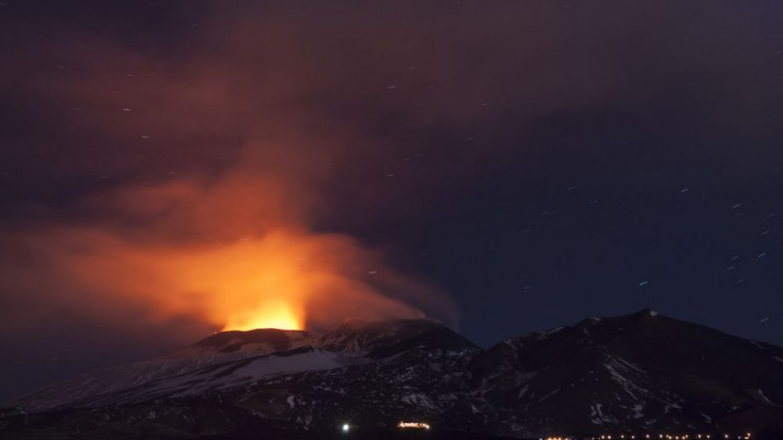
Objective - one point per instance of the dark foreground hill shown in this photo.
(635, 375)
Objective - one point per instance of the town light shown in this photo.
(414, 425)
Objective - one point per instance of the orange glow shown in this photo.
(284, 280)
(219, 187)
(280, 316)
(235, 265)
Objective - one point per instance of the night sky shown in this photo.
(504, 167)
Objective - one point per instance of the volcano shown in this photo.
(637, 375)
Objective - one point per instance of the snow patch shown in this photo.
(598, 417)
(637, 411)
(543, 335)
(671, 405)
(418, 400)
(549, 395)
(522, 392)
(619, 369)
(765, 398)
(265, 366)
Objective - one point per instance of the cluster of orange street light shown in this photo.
(745, 436)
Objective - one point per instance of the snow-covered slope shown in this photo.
(637, 374)
(354, 338)
(216, 349)
(223, 376)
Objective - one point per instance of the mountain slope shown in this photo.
(642, 373)
(383, 339)
(245, 351)
(216, 349)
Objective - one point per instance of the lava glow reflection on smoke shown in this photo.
(235, 254)
(286, 278)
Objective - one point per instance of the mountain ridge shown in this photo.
(636, 373)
